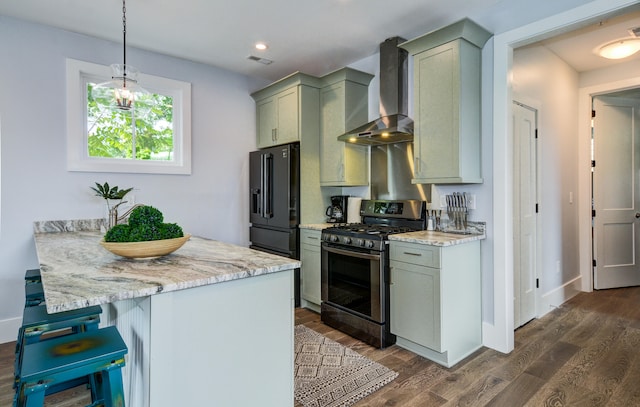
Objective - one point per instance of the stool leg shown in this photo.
(114, 396)
(31, 395)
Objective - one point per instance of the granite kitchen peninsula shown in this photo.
(210, 324)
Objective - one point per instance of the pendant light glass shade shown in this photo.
(122, 92)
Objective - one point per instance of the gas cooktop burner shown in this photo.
(372, 229)
(379, 220)
(362, 235)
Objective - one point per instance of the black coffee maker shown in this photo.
(337, 212)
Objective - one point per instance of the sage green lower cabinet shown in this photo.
(436, 300)
(310, 269)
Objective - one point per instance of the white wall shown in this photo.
(539, 75)
(35, 185)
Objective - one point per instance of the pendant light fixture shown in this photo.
(122, 92)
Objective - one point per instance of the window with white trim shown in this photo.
(158, 142)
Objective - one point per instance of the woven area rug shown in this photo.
(328, 374)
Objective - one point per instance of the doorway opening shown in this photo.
(615, 137)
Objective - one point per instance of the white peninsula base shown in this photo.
(227, 344)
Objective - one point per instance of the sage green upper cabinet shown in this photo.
(446, 111)
(344, 106)
(285, 108)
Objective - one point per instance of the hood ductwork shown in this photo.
(394, 125)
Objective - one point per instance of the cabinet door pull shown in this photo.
(413, 254)
(312, 237)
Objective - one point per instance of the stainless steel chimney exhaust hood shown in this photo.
(394, 125)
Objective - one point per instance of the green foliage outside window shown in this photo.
(113, 134)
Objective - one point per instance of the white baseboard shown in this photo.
(9, 329)
(495, 338)
(558, 296)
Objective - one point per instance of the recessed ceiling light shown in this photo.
(261, 46)
(619, 49)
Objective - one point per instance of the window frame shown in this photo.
(79, 73)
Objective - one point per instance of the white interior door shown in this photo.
(616, 192)
(524, 213)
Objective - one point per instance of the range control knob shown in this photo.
(370, 244)
(360, 242)
(346, 240)
(334, 238)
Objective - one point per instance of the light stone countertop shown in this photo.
(433, 238)
(317, 226)
(78, 272)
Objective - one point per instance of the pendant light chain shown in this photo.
(124, 38)
(123, 89)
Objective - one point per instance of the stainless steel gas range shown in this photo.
(355, 268)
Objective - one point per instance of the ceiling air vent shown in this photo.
(263, 61)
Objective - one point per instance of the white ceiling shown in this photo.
(577, 47)
(312, 36)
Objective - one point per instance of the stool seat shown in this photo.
(66, 358)
(32, 276)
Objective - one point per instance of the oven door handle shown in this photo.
(350, 253)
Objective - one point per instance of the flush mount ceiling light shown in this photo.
(261, 46)
(619, 49)
(122, 92)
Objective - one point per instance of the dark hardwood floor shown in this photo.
(585, 353)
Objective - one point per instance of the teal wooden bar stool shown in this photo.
(98, 354)
(32, 276)
(33, 294)
(36, 321)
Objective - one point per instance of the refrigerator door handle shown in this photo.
(266, 176)
(256, 201)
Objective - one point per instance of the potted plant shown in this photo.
(146, 235)
(111, 193)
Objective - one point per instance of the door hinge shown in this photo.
(537, 283)
(593, 163)
(594, 262)
(593, 113)
(536, 133)
(593, 213)
(536, 208)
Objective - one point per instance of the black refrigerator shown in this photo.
(274, 190)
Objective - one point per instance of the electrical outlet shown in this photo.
(471, 201)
